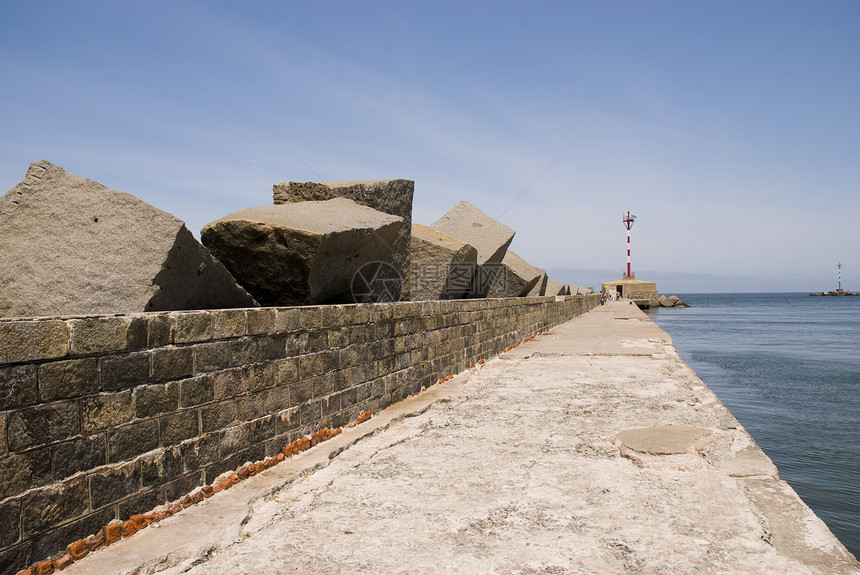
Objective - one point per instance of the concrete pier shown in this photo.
(590, 449)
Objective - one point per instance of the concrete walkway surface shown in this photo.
(590, 449)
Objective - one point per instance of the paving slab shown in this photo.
(591, 449)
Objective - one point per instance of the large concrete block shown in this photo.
(517, 279)
(442, 267)
(304, 252)
(470, 225)
(392, 197)
(71, 246)
(556, 288)
(539, 288)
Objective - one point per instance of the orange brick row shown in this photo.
(364, 416)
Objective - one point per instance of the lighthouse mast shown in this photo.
(628, 223)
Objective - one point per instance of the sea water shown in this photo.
(787, 366)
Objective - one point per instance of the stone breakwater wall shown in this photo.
(103, 417)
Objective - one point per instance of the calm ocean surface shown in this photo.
(788, 367)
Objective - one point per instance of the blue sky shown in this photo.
(731, 129)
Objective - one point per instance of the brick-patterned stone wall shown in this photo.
(103, 417)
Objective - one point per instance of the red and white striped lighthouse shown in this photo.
(628, 223)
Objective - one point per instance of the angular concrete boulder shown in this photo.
(392, 197)
(470, 225)
(441, 267)
(71, 246)
(539, 288)
(518, 277)
(303, 253)
(556, 288)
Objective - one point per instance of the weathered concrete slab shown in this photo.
(662, 440)
(470, 225)
(388, 196)
(518, 466)
(518, 280)
(71, 246)
(301, 253)
(441, 266)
